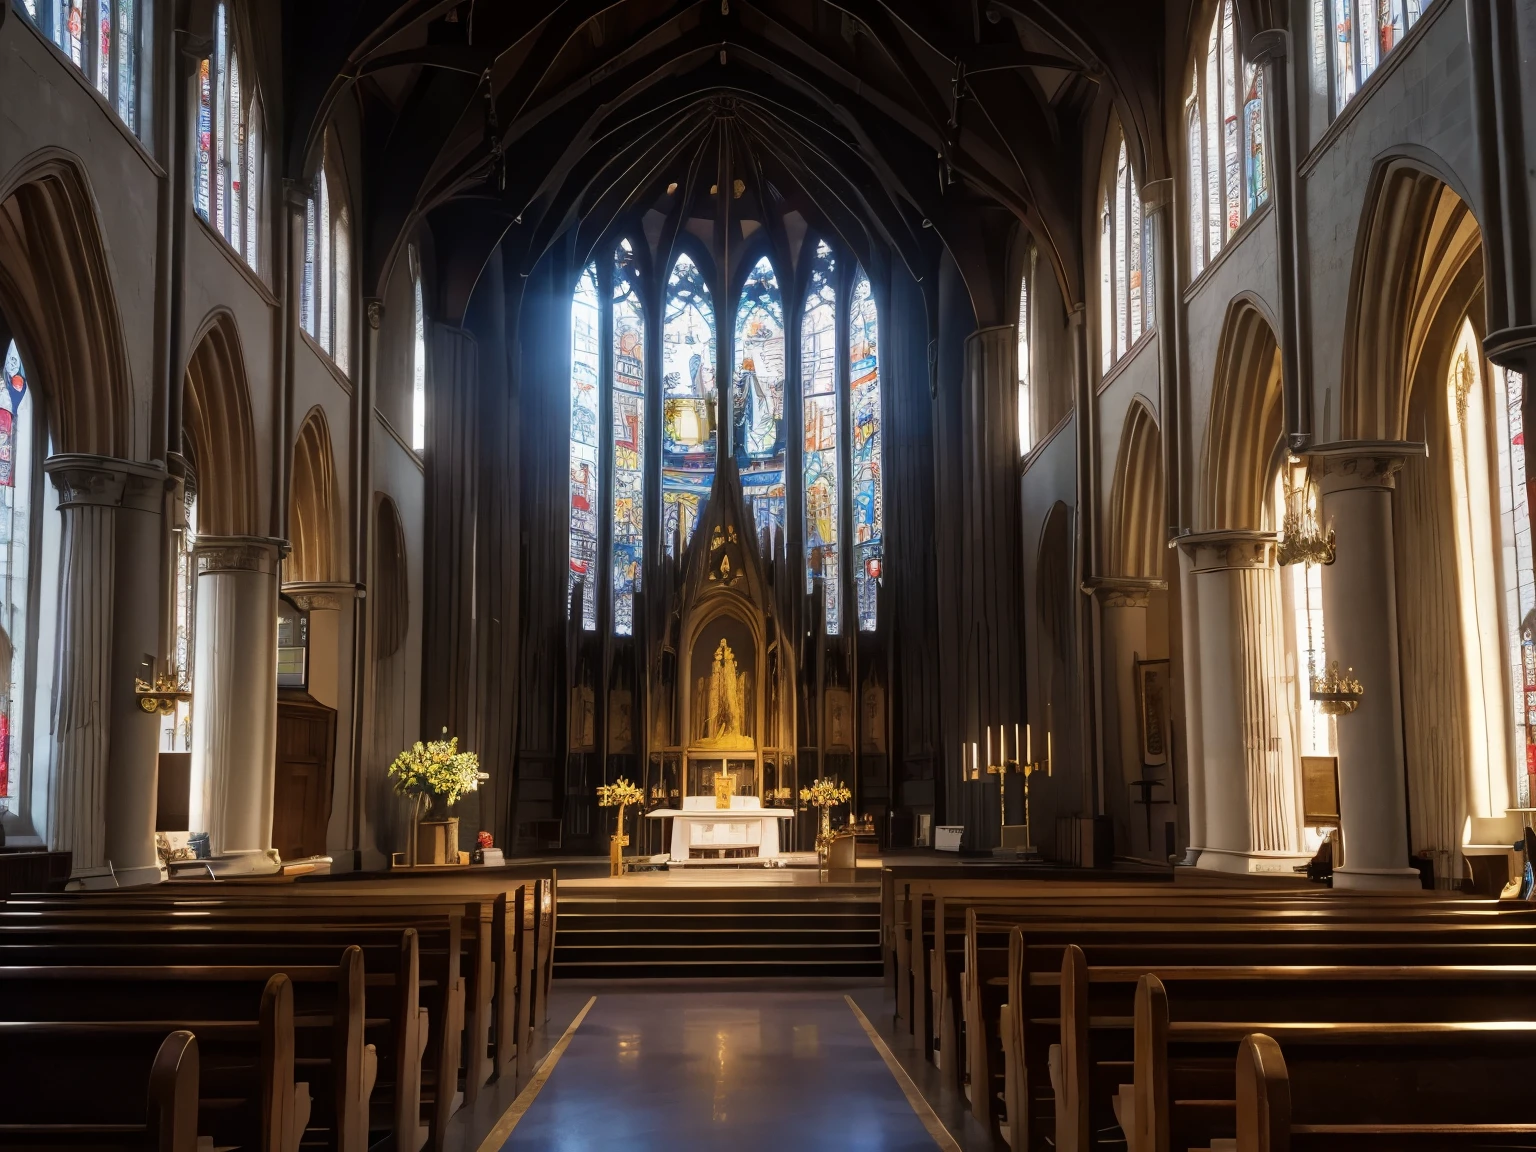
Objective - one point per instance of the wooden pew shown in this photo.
(963, 963)
(126, 1094)
(328, 1021)
(488, 961)
(247, 1094)
(1183, 1092)
(398, 1022)
(1036, 992)
(1474, 1099)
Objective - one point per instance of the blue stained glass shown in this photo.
(689, 401)
(585, 466)
(868, 493)
(757, 397)
(819, 411)
(628, 440)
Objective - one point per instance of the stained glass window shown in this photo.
(1229, 179)
(868, 489)
(585, 464)
(418, 356)
(326, 299)
(821, 417)
(16, 466)
(1518, 573)
(628, 352)
(1361, 33)
(1026, 439)
(757, 398)
(689, 401)
(1124, 259)
(227, 173)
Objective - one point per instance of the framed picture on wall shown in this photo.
(1151, 677)
(1320, 791)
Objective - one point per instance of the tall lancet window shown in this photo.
(1125, 261)
(1473, 511)
(1362, 33)
(1225, 114)
(229, 160)
(585, 464)
(689, 411)
(418, 356)
(326, 290)
(821, 414)
(110, 56)
(1518, 571)
(868, 489)
(1026, 438)
(757, 398)
(628, 439)
(17, 442)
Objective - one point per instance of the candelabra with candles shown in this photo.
(1025, 766)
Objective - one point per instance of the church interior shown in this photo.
(839, 574)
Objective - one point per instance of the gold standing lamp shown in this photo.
(620, 794)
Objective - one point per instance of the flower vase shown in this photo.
(437, 841)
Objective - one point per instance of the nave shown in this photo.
(1009, 1006)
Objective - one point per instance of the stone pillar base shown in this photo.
(1249, 863)
(1377, 879)
(134, 877)
(245, 864)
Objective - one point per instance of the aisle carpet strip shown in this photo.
(499, 1134)
(929, 1118)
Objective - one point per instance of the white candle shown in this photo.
(1029, 745)
(989, 746)
(1017, 747)
(975, 761)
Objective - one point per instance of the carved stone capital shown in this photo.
(1513, 348)
(321, 595)
(259, 554)
(1351, 464)
(1122, 591)
(1157, 195)
(1272, 45)
(105, 481)
(1234, 548)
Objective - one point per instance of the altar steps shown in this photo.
(656, 933)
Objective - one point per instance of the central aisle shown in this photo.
(737, 1070)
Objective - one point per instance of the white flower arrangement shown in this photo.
(436, 770)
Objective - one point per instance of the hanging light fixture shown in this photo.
(1302, 539)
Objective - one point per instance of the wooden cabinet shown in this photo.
(306, 757)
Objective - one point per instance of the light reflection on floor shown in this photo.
(737, 1070)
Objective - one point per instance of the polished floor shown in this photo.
(743, 1070)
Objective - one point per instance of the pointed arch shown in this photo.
(312, 502)
(1245, 422)
(216, 414)
(56, 291)
(1416, 262)
(1136, 516)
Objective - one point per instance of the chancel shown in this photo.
(767, 574)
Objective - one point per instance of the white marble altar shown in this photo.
(745, 824)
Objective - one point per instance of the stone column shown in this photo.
(234, 707)
(103, 788)
(133, 761)
(1194, 724)
(1360, 629)
(1251, 786)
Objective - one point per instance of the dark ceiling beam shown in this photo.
(452, 57)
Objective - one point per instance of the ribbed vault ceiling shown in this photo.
(907, 126)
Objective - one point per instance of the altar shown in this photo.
(703, 831)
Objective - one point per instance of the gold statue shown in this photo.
(723, 699)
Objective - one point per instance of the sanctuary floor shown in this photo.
(744, 1066)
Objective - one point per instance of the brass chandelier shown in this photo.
(1302, 539)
